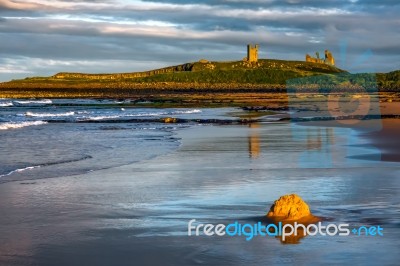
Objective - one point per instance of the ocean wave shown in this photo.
(92, 116)
(178, 112)
(20, 170)
(102, 117)
(194, 111)
(15, 125)
(123, 113)
(49, 114)
(46, 164)
(44, 101)
(6, 104)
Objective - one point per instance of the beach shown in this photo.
(138, 213)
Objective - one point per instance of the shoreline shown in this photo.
(252, 101)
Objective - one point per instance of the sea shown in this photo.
(44, 138)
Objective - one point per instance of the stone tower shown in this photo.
(329, 59)
(252, 53)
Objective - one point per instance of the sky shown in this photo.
(44, 37)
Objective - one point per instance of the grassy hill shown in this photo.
(201, 79)
(263, 72)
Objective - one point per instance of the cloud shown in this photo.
(174, 31)
(6, 4)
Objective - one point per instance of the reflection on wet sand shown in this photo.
(386, 140)
(383, 132)
(254, 141)
(316, 140)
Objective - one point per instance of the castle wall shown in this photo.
(314, 60)
(329, 59)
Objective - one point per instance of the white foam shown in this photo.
(6, 104)
(106, 117)
(194, 111)
(20, 170)
(45, 101)
(103, 117)
(149, 114)
(49, 114)
(15, 125)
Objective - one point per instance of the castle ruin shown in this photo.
(252, 53)
(329, 59)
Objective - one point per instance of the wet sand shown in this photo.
(382, 131)
(138, 214)
(387, 137)
(387, 140)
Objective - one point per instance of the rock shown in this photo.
(169, 120)
(290, 208)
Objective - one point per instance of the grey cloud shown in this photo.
(11, 5)
(382, 3)
(214, 29)
(255, 4)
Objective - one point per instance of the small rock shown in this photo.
(169, 120)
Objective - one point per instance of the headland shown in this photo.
(248, 82)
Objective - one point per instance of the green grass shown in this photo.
(263, 72)
(389, 81)
(258, 76)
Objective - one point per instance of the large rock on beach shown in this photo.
(290, 208)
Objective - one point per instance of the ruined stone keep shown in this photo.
(329, 59)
